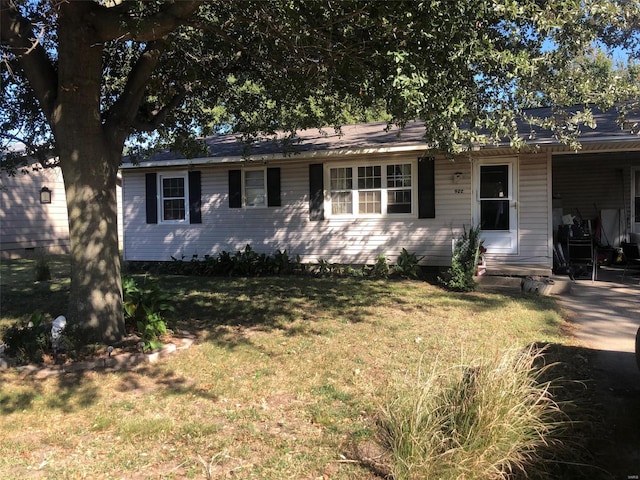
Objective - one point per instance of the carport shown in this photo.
(596, 196)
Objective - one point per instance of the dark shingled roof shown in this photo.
(350, 137)
(607, 126)
(376, 136)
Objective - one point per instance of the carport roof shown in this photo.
(379, 138)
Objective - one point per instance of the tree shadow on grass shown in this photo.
(71, 392)
(599, 393)
(25, 392)
(20, 301)
(220, 307)
(146, 379)
(223, 310)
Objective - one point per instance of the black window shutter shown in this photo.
(426, 188)
(273, 187)
(195, 203)
(235, 188)
(151, 194)
(316, 192)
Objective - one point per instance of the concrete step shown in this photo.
(536, 285)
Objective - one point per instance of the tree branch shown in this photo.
(17, 36)
(114, 22)
(125, 109)
(158, 117)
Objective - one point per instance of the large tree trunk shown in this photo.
(95, 300)
(89, 159)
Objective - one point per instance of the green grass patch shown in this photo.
(21, 295)
(287, 374)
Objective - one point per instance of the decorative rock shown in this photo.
(111, 362)
(165, 350)
(537, 285)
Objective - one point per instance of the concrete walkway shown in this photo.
(607, 311)
(606, 315)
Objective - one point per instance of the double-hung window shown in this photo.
(255, 188)
(173, 198)
(341, 182)
(371, 190)
(399, 188)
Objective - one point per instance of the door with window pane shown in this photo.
(496, 205)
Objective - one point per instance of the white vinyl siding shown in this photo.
(534, 211)
(345, 239)
(26, 225)
(339, 239)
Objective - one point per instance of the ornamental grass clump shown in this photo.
(488, 419)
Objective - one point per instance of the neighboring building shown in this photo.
(29, 227)
(349, 198)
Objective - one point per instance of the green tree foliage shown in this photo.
(81, 79)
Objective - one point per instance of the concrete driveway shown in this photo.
(606, 315)
(607, 311)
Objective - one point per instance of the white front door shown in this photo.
(496, 204)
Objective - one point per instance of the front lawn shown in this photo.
(285, 381)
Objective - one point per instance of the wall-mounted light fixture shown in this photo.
(457, 177)
(45, 195)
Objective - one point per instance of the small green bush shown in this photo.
(484, 420)
(28, 341)
(246, 262)
(407, 265)
(381, 268)
(144, 306)
(249, 263)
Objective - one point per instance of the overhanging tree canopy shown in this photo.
(85, 77)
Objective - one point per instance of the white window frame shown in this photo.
(170, 175)
(384, 189)
(245, 202)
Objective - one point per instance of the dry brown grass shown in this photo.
(286, 377)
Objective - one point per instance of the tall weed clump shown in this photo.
(485, 420)
(464, 261)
